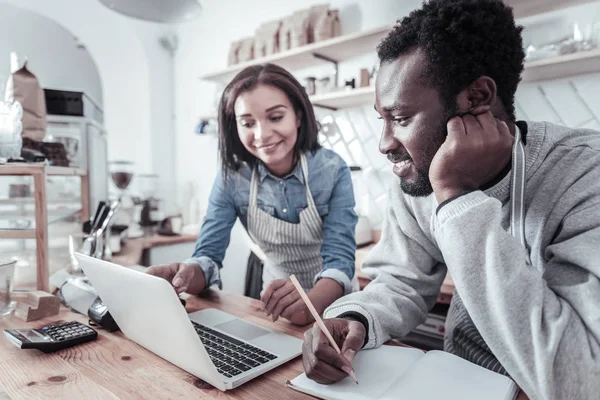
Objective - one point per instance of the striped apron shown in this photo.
(462, 337)
(290, 248)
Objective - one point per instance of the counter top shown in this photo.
(113, 367)
(131, 251)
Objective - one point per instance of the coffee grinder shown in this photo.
(122, 173)
(151, 214)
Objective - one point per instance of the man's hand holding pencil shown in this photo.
(329, 346)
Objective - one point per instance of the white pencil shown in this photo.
(319, 321)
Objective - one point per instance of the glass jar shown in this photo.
(7, 275)
(10, 129)
(311, 88)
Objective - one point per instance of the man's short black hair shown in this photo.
(462, 40)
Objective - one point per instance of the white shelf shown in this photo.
(65, 119)
(348, 46)
(24, 169)
(580, 63)
(53, 214)
(338, 49)
(550, 68)
(28, 219)
(208, 117)
(527, 8)
(30, 200)
(17, 233)
(345, 98)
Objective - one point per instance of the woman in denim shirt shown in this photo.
(294, 198)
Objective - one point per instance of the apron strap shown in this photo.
(517, 213)
(309, 199)
(253, 188)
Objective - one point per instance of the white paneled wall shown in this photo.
(573, 102)
(355, 137)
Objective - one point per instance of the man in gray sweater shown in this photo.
(510, 209)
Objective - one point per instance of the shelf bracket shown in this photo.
(325, 107)
(336, 69)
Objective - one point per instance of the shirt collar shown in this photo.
(263, 172)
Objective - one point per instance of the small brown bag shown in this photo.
(285, 33)
(271, 37)
(260, 42)
(24, 87)
(317, 13)
(336, 25)
(327, 26)
(246, 52)
(300, 27)
(233, 52)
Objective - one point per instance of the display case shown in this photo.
(86, 142)
(40, 206)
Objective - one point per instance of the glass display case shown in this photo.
(40, 206)
(85, 140)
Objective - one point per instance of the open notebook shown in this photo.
(392, 372)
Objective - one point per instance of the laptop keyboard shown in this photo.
(231, 356)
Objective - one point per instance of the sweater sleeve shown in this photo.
(543, 324)
(406, 277)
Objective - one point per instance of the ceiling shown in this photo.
(168, 11)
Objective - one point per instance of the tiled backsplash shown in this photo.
(573, 102)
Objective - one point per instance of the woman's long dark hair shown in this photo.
(232, 151)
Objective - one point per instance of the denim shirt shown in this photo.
(331, 186)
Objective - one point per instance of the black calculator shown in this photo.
(52, 337)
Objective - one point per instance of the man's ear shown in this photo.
(482, 92)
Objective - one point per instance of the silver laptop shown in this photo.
(217, 347)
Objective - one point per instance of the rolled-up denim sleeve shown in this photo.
(339, 245)
(215, 233)
(212, 273)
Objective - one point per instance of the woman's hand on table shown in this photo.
(281, 299)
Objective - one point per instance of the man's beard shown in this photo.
(421, 185)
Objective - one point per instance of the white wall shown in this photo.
(162, 121)
(136, 75)
(51, 50)
(204, 45)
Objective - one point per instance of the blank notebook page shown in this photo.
(376, 371)
(441, 374)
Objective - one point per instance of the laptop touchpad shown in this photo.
(242, 329)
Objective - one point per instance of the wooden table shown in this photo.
(114, 367)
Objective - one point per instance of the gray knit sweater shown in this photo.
(541, 321)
